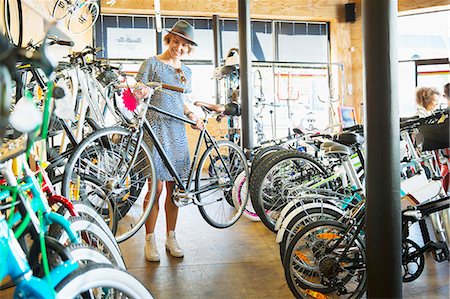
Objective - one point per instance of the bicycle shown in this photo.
(83, 14)
(273, 184)
(103, 162)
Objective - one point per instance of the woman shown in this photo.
(168, 68)
(427, 100)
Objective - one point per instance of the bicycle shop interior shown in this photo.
(316, 174)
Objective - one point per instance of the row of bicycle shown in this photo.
(315, 202)
(50, 247)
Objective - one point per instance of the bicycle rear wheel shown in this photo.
(13, 21)
(315, 260)
(216, 174)
(84, 17)
(96, 172)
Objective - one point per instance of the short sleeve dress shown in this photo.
(169, 131)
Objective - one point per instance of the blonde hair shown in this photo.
(424, 96)
(169, 35)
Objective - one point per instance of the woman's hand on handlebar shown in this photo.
(199, 123)
(141, 91)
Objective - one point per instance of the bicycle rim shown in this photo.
(61, 9)
(103, 158)
(311, 253)
(216, 174)
(274, 180)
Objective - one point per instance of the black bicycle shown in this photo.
(115, 163)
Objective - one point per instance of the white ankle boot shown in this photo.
(151, 251)
(172, 245)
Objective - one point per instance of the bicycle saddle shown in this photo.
(232, 109)
(327, 144)
(337, 149)
(350, 138)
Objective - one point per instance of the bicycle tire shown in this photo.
(88, 212)
(268, 202)
(297, 259)
(15, 39)
(84, 253)
(263, 152)
(63, 4)
(240, 191)
(79, 15)
(226, 152)
(303, 219)
(91, 234)
(103, 277)
(127, 202)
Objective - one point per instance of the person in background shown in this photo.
(168, 68)
(447, 94)
(426, 100)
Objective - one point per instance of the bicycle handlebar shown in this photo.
(416, 122)
(156, 85)
(355, 128)
(61, 42)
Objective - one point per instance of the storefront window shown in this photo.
(422, 38)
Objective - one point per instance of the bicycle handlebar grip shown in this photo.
(65, 43)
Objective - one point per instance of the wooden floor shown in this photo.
(239, 262)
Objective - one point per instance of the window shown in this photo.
(290, 60)
(422, 39)
(302, 42)
(130, 37)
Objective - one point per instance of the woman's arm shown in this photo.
(189, 114)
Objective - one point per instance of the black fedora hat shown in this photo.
(184, 30)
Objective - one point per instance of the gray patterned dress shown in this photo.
(169, 131)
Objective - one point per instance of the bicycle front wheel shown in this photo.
(84, 17)
(101, 281)
(216, 174)
(97, 172)
(61, 9)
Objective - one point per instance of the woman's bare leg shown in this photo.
(153, 216)
(170, 208)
